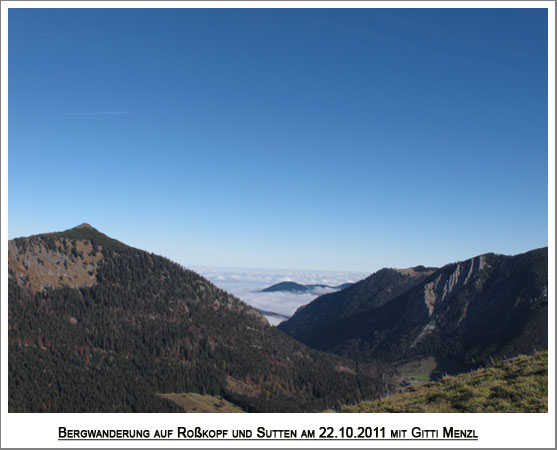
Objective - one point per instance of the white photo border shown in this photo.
(493, 430)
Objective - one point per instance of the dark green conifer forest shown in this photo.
(148, 326)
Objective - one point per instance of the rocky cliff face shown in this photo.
(445, 284)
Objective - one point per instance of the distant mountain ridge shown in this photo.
(98, 326)
(291, 286)
(463, 313)
(271, 313)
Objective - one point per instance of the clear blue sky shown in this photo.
(318, 139)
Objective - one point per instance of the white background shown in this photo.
(493, 430)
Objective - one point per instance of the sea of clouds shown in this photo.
(246, 284)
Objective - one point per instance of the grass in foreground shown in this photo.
(516, 385)
(198, 403)
(419, 370)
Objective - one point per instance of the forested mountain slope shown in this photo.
(462, 314)
(311, 322)
(98, 326)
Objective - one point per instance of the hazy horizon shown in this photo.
(247, 284)
(200, 268)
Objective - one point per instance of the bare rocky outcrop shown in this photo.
(445, 284)
(39, 263)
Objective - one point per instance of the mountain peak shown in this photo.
(85, 225)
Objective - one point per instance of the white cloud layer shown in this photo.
(246, 284)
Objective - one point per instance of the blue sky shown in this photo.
(313, 139)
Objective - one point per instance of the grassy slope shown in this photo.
(198, 403)
(420, 369)
(516, 385)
